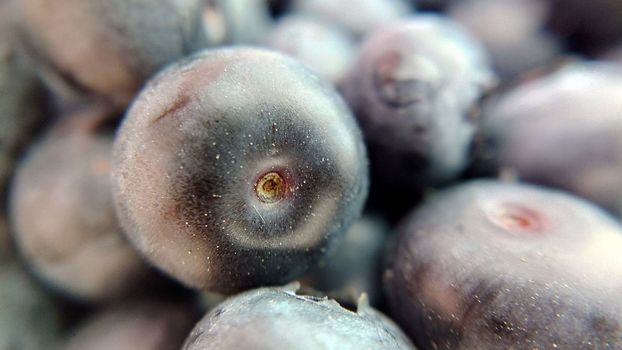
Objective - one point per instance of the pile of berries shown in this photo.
(310, 174)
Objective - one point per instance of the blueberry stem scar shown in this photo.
(517, 217)
(270, 188)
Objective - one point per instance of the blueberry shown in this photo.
(109, 48)
(432, 5)
(64, 219)
(563, 130)
(29, 318)
(512, 31)
(278, 318)
(413, 88)
(138, 325)
(493, 265)
(359, 17)
(326, 49)
(236, 168)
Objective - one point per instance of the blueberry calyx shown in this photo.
(270, 188)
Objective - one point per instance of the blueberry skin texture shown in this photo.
(562, 130)
(194, 147)
(278, 318)
(135, 325)
(412, 89)
(108, 48)
(63, 217)
(513, 266)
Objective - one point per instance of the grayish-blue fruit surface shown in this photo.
(278, 318)
(563, 130)
(413, 88)
(494, 265)
(63, 215)
(236, 168)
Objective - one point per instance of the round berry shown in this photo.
(236, 168)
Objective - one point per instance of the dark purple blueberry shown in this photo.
(359, 17)
(29, 319)
(109, 48)
(512, 31)
(494, 265)
(64, 219)
(236, 168)
(413, 89)
(563, 130)
(325, 49)
(356, 266)
(278, 318)
(138, 325)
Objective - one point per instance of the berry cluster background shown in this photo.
(310, 174)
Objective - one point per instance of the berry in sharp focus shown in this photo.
(236, 168)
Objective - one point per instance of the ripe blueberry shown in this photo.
(278, 318)
(412, 89)
(138, 325)
(236, 168)
(64, 219)
(493, 265)
(563, 130)
(109, 48)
